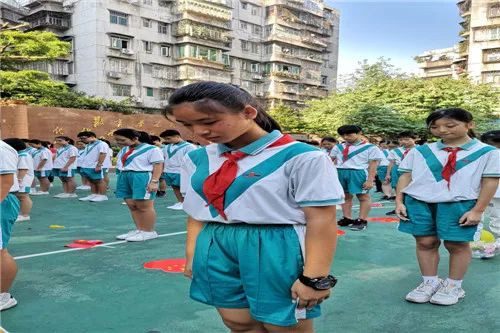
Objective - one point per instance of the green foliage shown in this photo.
(383, 101)
(36, 87)
(18, 47)
(289, 119)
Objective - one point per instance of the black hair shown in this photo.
(170, 132)
(17, 144)
(35, 141)
(349, 129)
(421, 142)
(145, 138)
(155, 138)
(313, 143)
(26, 140)
(47, 144)
(329, 139)
(129, 133)
(208, 95)
(407, 134)
(65, 138)
(87, 134)
(106, 141)
(491, 136)
(451, 113)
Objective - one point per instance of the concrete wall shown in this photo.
(44, 123)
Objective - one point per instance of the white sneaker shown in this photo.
(177, 206)
(141, 236)
(21, 218)
(32, 190)
(83, 187)
(71, 195)
(128, 234)
(448, 294)
(423, 293)
(60, 195)
(40, 193)
(99, 198)
(7, 301)
(87, 198)
(124, 203)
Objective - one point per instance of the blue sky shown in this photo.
(394, 29)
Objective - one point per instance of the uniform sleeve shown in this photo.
(24, 163)
(103, 148)
(375, 154)
(492, 168)
(46, 155)
(156, 156)
(392, 155)
(190, 148)
(314, 181)
(73, 152)
(8, 162)
(187, 169)
(407, 164)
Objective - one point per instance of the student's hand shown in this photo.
(401, 212)
(472, 217)
(368, 185)
(64, 169)
(98, 168)
(308, 297)
(387, 179)
(188, 268)
(152, 187)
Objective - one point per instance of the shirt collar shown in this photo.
(465, 146)
(255, 147)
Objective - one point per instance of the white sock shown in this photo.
(434, 280)
(456, 283)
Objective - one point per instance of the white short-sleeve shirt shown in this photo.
(63, 155)
(25, 162)
(425, 163)
(143, 158)
(108, 162)
(79, 159)
(360, 155)
(119, 164)
(398, 154)
(91, 153)
(43, 154)
(271, 186)
(174, 156)
(385, 159)
(8, 163)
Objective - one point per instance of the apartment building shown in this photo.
(143, 49)
(438, 63)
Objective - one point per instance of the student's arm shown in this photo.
(155, 178)
(71, 160)
(389, 170)
(488, 188)
(41, 165)
(6, 182)
(403, 182)
(372, 171)
(21, 173)
(320, 244)
(100, 161)
(193, 230)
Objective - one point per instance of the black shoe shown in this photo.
(160, 194)
(392, 212)
(359, 225)
(385, 197)
(345, 222)
(391, 198)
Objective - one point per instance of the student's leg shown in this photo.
(494, 213)
(64, 185)
(163, 185)
(8, 270)
(144, 214)
(364, 205)
(460, 257)
(177, 192)
(44, 184)
(240, 320)
(347, 206)
(428, 254)
(387, 189)
(303, 326)
(101, 187)
(26, 203)
(94, 186)
(133, 211)
(70, 185)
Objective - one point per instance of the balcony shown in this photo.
(286, 76)
(464, 7)
(202, 9)
(436, 64)
(281, 36)
(45, 19)
(313, 92)
(187, 29)
(200, 61)
(313, 40)
(463, 48)
(309, 6)
(192, 74)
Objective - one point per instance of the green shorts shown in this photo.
(249, 266)
(437, 219)
(172, 179)
(91, 174)
(381, 173)
(9, 209)
(352, 180)
(394, 176)
(66, 174)
(133, 185)
(43, 173)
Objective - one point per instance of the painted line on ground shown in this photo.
(100, 245)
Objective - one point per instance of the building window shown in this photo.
(324, 80)
(244, 5)
(255, 48)
(491, 77)
(254, 68)
(243, 65)
(491, 55)
(494, 10)
(256, 29)
(121, 90)
(147, 23)
(268, 49)
(148, 46)
(120, 43)
(118, 65)
(487, 34)
(243, 25)
(147, 2)
(149, 92)
(118, 18)
(162, 28)
(245, 45)
(255, 10)
(165, 50)
(165, 94)
(163, 3)
(494, 34)
(181, 51)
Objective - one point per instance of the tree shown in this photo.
(289, 119)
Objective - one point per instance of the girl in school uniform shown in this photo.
(443, 190)
(141, 166)
(65, 166)
(493, 212)
(251, 196)
(25, 176)
(43, 162)
(80, 145)
(382, 171)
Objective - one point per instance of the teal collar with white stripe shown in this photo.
(466, 146)
(255, 147)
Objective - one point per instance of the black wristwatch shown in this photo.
(319, 283)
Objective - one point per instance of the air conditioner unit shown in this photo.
(127, 51)
(114, 75)
(259, 94)
(257, 77)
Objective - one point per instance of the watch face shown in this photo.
(325, 283)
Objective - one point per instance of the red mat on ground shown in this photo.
(167, 265)
(383, 219)
(83, 244)
(340, 232)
